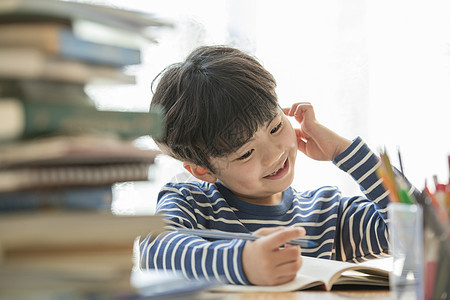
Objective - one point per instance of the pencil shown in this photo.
(442, 215)
(390, 173)
(400, 162)
(388, 181)
(220, 235)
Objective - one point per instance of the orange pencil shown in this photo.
(388, 177)
(390, 171)
(388, 185)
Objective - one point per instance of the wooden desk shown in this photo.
(379, 294)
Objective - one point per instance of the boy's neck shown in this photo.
(274, 199)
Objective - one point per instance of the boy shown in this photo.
(224, 122)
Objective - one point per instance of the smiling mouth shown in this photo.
(280, 170)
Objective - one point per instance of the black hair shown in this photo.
(214, 102)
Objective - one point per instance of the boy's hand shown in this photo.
(265, 263)
(315, 140)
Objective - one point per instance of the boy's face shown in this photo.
(264, 167)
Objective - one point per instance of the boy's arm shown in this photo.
(193, 256)
(363, 221)
(263, 261)
(361, 164)
(320, 143)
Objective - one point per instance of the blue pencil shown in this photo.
(220, 235)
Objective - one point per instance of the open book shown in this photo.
(317, 272)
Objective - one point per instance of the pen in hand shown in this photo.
(220, 235)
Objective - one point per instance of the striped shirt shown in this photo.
(344, 228)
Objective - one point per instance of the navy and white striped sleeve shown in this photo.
(193, 256)
(362, 220)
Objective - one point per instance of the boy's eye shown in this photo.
(247, 154)
(276, 128)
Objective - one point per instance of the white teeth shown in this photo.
(276, 172)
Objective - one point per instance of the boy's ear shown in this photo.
(200, 172)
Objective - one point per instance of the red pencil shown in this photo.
(442, 215)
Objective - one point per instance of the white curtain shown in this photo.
(376, 69)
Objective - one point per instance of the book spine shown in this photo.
(132, 21)
(69, 46)
(41, 66)
(72, 176)
(60, 40)
(97, 198)
(44, 90)
(47, 118)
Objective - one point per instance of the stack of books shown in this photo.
(60, 155)
(60, 255)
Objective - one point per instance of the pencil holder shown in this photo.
(406, 240)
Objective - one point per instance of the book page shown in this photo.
(315, 272)
(299, 283)
(375, 272)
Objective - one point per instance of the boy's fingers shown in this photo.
(289, 254)
(301, 144)
(290, 111)
(281, 237)
(306, 111)
(267, 230)
(299, 110)
(284, 279)
(292, 265)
